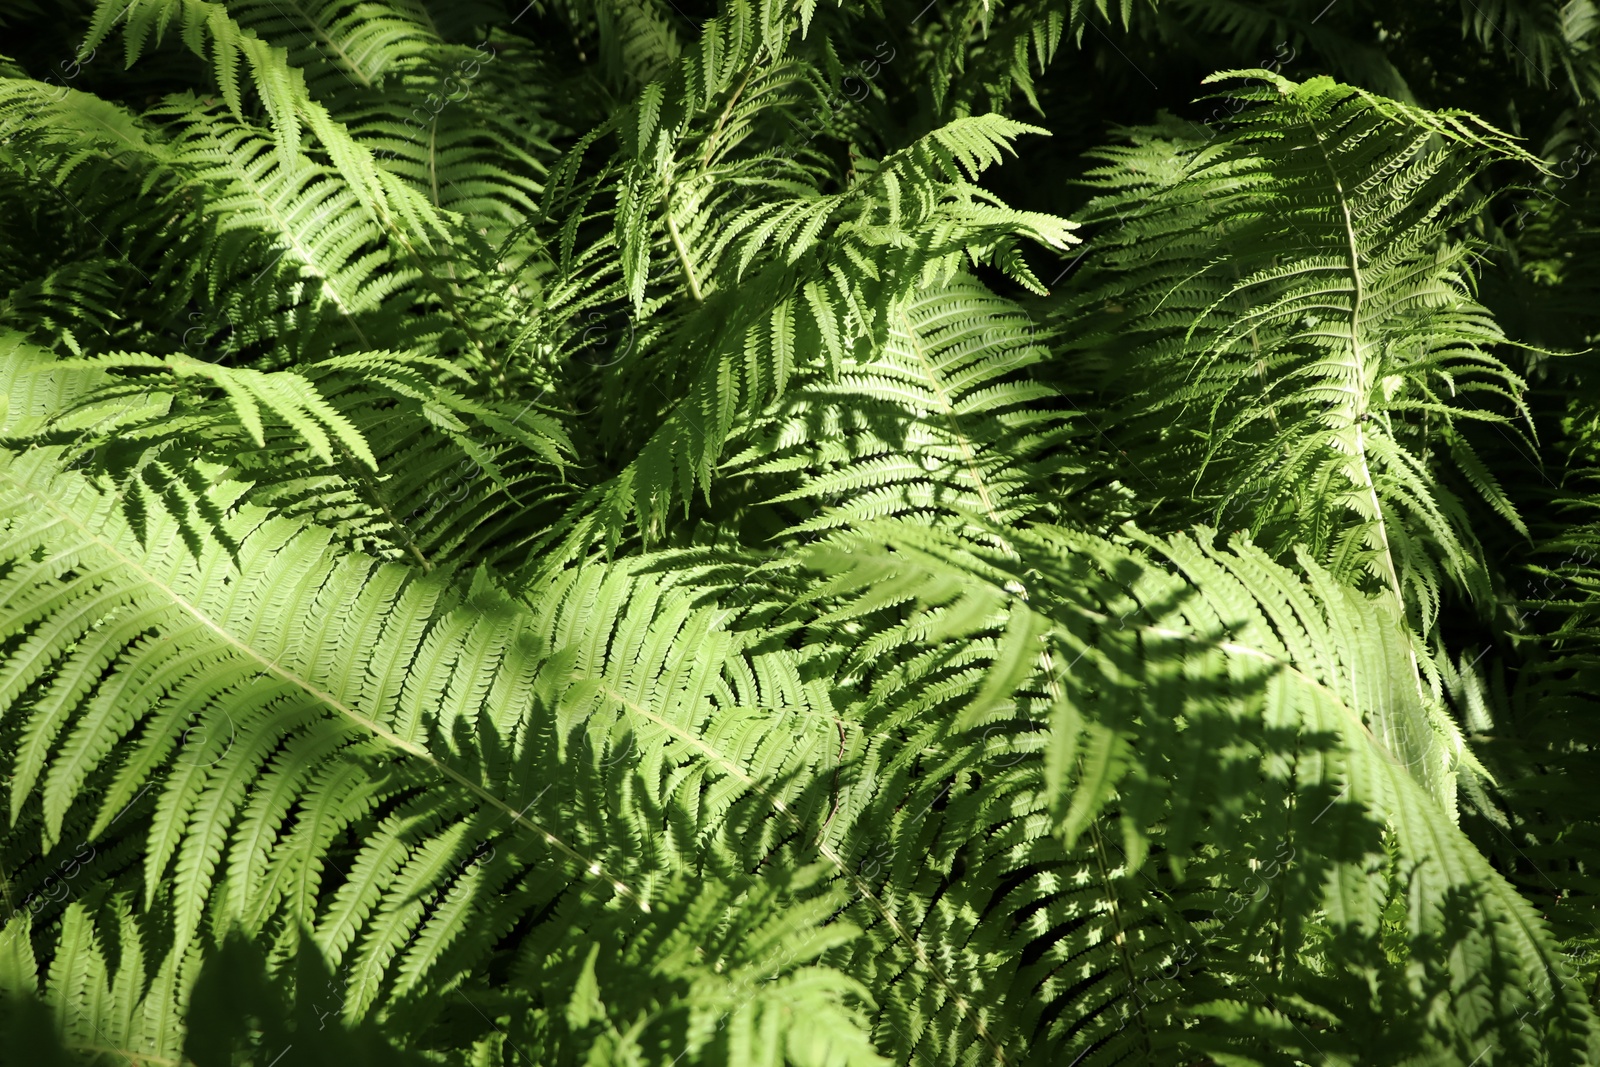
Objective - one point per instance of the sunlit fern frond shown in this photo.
(1328, 362)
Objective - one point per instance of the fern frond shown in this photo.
(1338, 331)
(941, 422)
(1325, 702)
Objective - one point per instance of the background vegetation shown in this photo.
(784, 531)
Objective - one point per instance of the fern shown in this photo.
(667, 533)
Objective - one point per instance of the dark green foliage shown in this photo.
(792, 531)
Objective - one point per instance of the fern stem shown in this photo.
(727, 111)
(1103, 866)
(948, 410)
(683, 254)
(135, 1058)
(369, 490)
(327, 39)
(5, 891)
(433, 159)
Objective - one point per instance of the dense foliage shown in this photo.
(799, 531)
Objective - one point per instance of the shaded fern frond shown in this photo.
(1318, 701)
(941, 421)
